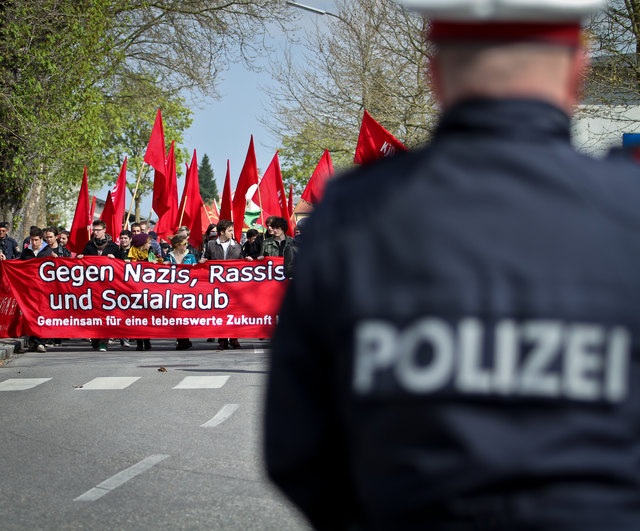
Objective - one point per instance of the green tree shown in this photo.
(66, 69)
(208, 185)
(368, 55)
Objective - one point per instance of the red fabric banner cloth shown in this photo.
(10, 315)
(190, 210)
(315, 187)
(99, 297)
(109, 217)
(118, 195)
(81, 226)
(226, 206)
(248, 177)
(375, 142)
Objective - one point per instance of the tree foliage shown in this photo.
(369, 55)
(206, 178)
(78, 76)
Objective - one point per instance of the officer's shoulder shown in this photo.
(373, 180)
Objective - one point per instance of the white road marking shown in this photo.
(20, 384)
(105, 383)
(258, 351)
(121, 478)
(221, 416)
(202, 382)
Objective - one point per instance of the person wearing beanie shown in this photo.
(141, 251)
(470, 360)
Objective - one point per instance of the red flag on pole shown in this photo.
(118, 196)
(315, 187)
(92, 210)
(375, 142)
(109, 217)
(155, 156)
(248, 177)
(226, 206)
(167, 206)
(190, 206)
(270, 195)
(81, 227)
(290, 202)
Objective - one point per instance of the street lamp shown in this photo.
(313, 9)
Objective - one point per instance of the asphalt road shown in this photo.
(93, 440)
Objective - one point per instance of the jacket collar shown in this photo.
(515, 118)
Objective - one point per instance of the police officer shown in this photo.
(489, 378)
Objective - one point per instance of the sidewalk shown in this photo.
(11, 345)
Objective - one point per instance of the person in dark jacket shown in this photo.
(483, 370)
(9, 248)
(37, 248)
(251, 247)
(224, 248)
(291, 252)
(99, 244)
(51, 238)
(279, 241)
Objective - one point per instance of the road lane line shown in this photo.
(221, 416)
(108, 383)
(202, 382)
(21, 384)
(258, 351)
(121, 478)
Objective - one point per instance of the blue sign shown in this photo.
(630, 139)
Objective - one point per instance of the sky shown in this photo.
(222, 128)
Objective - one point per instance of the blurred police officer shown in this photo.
(488, 379)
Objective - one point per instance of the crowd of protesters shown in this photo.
(139, 244)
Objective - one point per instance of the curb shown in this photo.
(11, 346)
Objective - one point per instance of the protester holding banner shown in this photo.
(251, 248)
(99, 244)
(276, 245)
(141, 251)
(36, 246)
(224, 248)
(125, 243)
(59, 250)
(180, 253)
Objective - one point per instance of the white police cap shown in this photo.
(506, 10)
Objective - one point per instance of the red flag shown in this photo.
(290, 202)
(155, 155)
(109, 217)
(118, 196)
(315, 187)
(190, 206)
(92, 210)
(208, 216)
(81, 227)
(248, 177)
(226, 207)
(375, 142)
(214, 209)
(270, 195)
(167, 207)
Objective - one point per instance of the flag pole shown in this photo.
(133, 198)
(186, 198)
(206, 211)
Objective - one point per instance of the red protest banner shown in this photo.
(10, 316)
(101, 297)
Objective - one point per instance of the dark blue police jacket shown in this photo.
(457, 348)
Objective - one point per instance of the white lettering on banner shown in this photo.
(169, 300)
(77, 275)
(137, 272)
(259, 273)
(537, 358)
